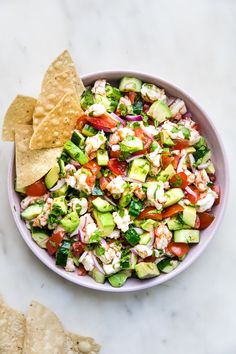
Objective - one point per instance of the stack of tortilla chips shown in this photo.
(41, 127)
(40, 332)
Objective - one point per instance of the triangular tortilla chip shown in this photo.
(75, 344)
(58, 125)
(60, 78)
(19, 112)
(31, 165)
(12, 330)
(44, 332)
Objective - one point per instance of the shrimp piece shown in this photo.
(162, 236)
(201, 180)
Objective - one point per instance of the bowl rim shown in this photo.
(186, 263)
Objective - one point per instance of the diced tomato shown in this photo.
(179, 180)
(104, 122)
(81, 271)
(36, 189)
(197, 127)
(172, 210)
(103, 181)
(166, 159)
(175, 161)
(117, 167)
(177, 249)
(115, 154)
(139, 133)
(81, 122)
(180, 144)
(146, 107)
(216, 189)
(90, 180)
(132, 96)
(77, 248)
(93, 167)
(193, 199)
(54, 242)
(150, 213)
(205, 220)
(197, 223)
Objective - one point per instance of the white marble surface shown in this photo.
(191, 43)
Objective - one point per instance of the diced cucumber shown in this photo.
(97, 276)
(173, 195)
(77, 138)
(88, 130)
(148, 224)
(187, 236)
(167, 265)
(174, 224)
(40, 237)
(117, 280)
(76, 153)
(130, 84)
(102, 205)
(200, 143)
(62, 254)
(32, 211)
(189, 215)
(102, 157)
(61, 164)
(61, 191)
(52, 176)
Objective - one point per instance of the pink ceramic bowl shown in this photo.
(219, 160)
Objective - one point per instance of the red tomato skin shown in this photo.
(205, 220)
(190, 197)
(181, 178)
(81, 271)
(216, 189)
(177, 249)
(103, 122)
(172, 210)
(114, 154)
(103, 181)
(117, 167)
(54, 242)
(77, 248)
(147, 214)
(132, 96)
(180, 144)
(93, 167)
(81, 122)
(90, 180)
(36, 189)
(166, 159)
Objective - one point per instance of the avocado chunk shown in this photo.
(211, 169)
(59, 205)
(40, 237)
(125, 199)
(70, 222)
(52, 176)
(102, 205)
(187, 236)
(139, 169)
(103, 100)
(167, 265)
(102, 157)
(75, 152)
(145, 238)
(105, 222)
(146, 270)
(21, 190)
(159, 111)
(173, 195)
(32, 211)
(165, 139)
(97, 276)
(128, 84)
(61, 191)
(166, 174)
(131, 144)
(148, 224)
(189, 215)
(117, 280)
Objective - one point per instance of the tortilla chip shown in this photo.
(44, 332)
(75, 344)
(12, 330)
(60, 78)
(31, 165)
(19, 112)
(58, 125)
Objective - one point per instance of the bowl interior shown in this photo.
(218, 158)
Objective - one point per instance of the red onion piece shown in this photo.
(127, 179)
(147, 133)
(180, 164)
(170, 100)
(122, 121)
(109, 200)
(192, 161)
(59, 184)
(204, 165)
(150, 243)
(134, 157)
(97, 265)
(137, 118)
(190, 191)
(103, 242)
(133, 250)
(187, 115)
(75, 163)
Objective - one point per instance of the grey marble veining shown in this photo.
(191, 43)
